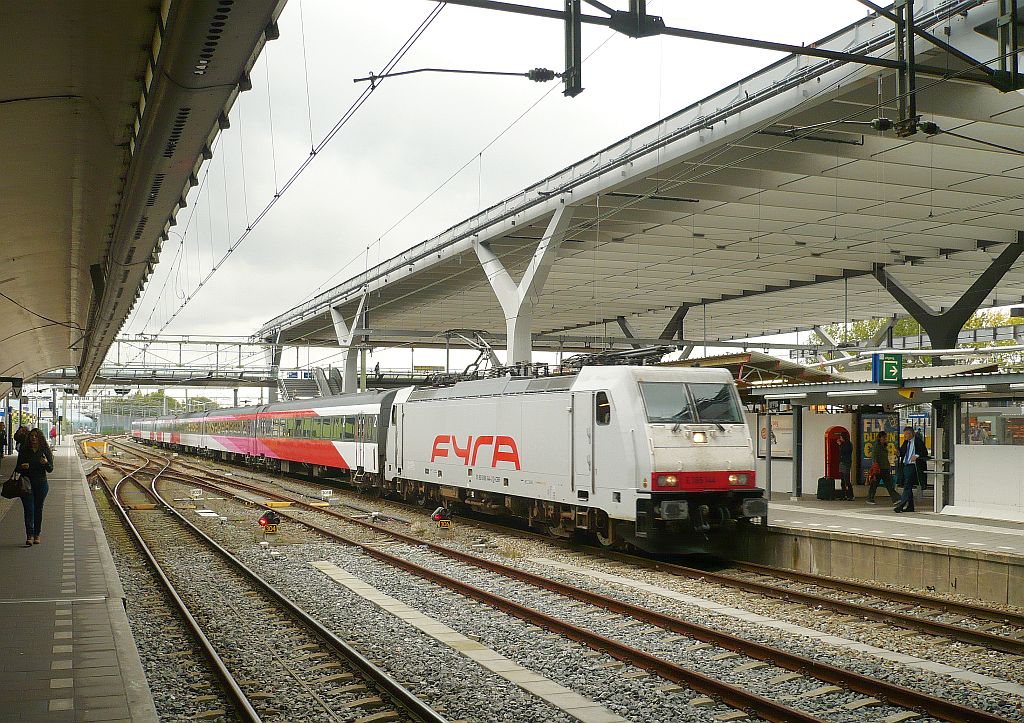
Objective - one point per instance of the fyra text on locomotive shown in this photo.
(502, 449)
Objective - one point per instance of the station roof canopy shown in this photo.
(106, 112)
(762, 209)
(753, 368)
(984, 381)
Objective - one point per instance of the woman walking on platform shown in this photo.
(35, 459)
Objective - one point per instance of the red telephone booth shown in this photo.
(833, 437)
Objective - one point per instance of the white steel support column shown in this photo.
(518, 300)
(346, 335)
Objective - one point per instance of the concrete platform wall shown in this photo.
(984, 576)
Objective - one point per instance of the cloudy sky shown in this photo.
(365, 197)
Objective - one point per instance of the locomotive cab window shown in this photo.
(679, 403)
(716, 403)
(666, 402)
(602, 408)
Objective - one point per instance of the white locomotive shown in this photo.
(657, 457)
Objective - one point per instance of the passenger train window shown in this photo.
(602, 408)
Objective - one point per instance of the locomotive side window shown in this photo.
(715, 403)
(666, 402)
(602, 408)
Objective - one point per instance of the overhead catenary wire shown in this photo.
(305, 74)
(314, 152)
(180, 256)
(477, 157)
(676, 181)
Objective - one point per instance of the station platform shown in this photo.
(977, 558)
(879, 520)
(66, 648)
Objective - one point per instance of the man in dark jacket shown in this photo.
(845, 463)
(910, 451)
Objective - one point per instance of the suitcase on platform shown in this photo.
(826, 488)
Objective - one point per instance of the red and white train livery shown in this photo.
(657, 457)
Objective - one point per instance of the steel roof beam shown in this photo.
(627, 330)
(800, 50)
(675, 327)
(937, 42)
(943, 328)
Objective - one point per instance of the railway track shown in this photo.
(876, 603)
(894, 694)
(194, 690)
(326, 678)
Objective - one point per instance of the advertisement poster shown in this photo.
(782, 435)
(870, 426)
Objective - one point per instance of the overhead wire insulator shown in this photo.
(541, 75)
(882, 124)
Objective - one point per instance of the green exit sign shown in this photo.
(887, 369)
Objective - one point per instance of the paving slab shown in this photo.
(70, 622)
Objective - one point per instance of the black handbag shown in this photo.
(17, 486)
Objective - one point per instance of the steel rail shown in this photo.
(900, 695)
(931, 627)
(961, 633)
(729, 694)
(399, 695)
(976, 610)
(241, 701)
(952, 631)
(908, 598)
(895, 694)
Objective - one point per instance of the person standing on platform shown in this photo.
(845, 464)
(34, 460)
(910, 452)
(20, 435)
(3, 439)
(881, 470)
(53, 435)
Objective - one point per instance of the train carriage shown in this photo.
(648, 455)
(657, 457)
(335, 433)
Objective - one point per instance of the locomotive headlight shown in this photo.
(668, 480)
(738, 479)
(700, 437)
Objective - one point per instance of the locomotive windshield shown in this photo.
(675, 403)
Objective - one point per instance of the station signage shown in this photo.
(887, 369)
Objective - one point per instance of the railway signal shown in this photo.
(269, 522)
(442, 518)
